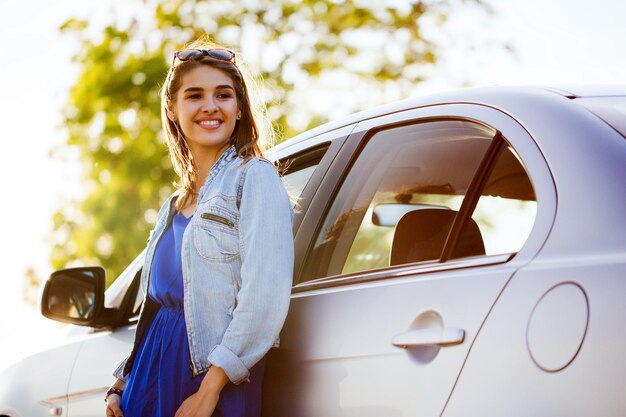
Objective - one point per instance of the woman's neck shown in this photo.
(204, 160)
(203, 172)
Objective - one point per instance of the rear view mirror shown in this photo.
(389, 214)
(74, 295)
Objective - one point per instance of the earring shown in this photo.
(239, 116)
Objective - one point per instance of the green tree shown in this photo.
(304, 50)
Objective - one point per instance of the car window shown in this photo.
(295, 181)
(398, 201)
(507, 207)
(117, 291)
(138, 299)
(298, 170)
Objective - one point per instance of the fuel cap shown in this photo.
(557, 326)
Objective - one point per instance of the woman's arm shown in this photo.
(203, 402)
(113, 400)
(267, 256)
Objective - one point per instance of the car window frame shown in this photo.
(293, 163)
(335, 139)
(127, 287)
(301, 145)
(516, 136)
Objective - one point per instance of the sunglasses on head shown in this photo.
(220, 54)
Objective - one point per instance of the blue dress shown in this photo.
(161, 378)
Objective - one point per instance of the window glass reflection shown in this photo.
(421, 172)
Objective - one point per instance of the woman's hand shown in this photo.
(203, 402)
(113, 401)
(198, 405)
(113, 406)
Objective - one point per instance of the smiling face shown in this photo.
(206, 109)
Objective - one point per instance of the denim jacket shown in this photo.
(237, 264)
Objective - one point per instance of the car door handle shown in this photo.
(429, 337)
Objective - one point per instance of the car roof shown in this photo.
(580, 91)
(491, 96)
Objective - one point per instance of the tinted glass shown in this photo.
(507, 207)
(295, 181)
(117, 291)
(411, 178)
(298, 170)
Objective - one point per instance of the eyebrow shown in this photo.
(200, 89)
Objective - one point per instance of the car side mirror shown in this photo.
(75, 295)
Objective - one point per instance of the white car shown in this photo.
(462, 254)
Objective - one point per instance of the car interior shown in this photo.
(420, 235)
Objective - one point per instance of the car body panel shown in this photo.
(335, 337)
(92, 376)
(586, 248)
(349, 327)
(25, 386)
(500, 376)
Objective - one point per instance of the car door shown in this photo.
(409, 240)
(103, 350)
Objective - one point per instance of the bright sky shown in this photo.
(556, 41)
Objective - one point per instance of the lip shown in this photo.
(209, 123)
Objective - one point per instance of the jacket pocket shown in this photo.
(215, 235)
(217, 218)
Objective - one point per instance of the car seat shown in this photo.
(421, 234)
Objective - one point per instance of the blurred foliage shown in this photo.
(30, 291)
(113, 118)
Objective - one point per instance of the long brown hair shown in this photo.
(252, 133)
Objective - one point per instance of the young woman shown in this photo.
(218, 267)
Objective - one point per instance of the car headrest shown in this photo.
(421, 234)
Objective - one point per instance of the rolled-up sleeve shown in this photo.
(267, 256)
